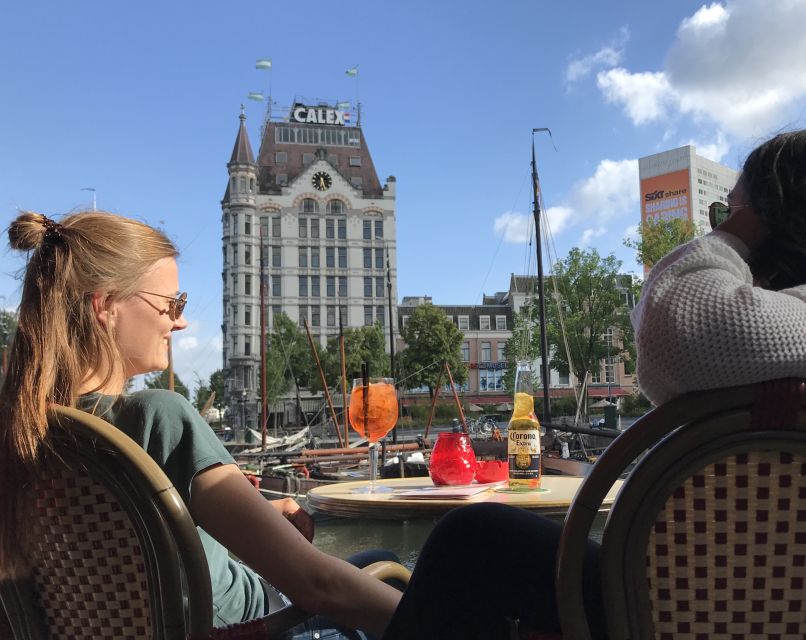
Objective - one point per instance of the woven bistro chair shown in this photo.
(707, 537)
(112, 550)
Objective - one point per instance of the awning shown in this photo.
(504, 406)
(474, 408)
(602, 392)
(602, 403)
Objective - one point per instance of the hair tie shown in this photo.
(53, 231)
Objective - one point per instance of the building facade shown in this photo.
(309, 230)
(487, 328)
(681, 184)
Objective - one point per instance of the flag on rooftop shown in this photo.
(352, 72)
(263, 63)
(342, 105)
(255, 95)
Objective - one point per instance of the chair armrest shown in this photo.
(290, 616)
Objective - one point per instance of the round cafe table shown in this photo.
(338, 499)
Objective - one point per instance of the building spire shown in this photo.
(242, 151)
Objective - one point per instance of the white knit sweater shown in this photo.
(701, 324)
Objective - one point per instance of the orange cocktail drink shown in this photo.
(373, 409)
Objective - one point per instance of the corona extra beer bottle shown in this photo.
(523, 440)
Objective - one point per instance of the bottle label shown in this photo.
(523, 449)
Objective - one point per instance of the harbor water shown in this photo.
(344, 536)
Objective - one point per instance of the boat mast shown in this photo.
(391, 335)
(541, 300)
(263, 408)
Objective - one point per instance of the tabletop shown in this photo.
(338, 499)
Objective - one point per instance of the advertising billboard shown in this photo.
(666, 196)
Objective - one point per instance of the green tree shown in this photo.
(659, 236)
(204, 389)
(431, 340)
(364, 344)
(159, 380)
(8, 326)
(523, 344)
(589, 299)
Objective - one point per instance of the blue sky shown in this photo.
(141, 100)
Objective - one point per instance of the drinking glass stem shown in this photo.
(373, 465)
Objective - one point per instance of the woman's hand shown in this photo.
(296, 515)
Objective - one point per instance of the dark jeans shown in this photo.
(483, 566)
(321, 627)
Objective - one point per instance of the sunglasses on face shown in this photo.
(176, 305)
(718, 212)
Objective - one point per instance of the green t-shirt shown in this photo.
(173, 433)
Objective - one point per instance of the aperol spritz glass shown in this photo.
(373, 413)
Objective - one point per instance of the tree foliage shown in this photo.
(431, 340)
(364, 344)
(659, 236)
(205, 388)
(288, 359)
(159, 380)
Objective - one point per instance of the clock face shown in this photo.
(321, 180)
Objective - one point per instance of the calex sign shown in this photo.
(320, 115)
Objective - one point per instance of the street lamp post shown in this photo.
(243, 413)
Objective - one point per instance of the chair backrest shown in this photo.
(107, 539)
(707, 537)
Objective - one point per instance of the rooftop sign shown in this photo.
(319, 115)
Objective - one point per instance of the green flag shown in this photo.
(352, 72)
(255, 95)
(343, 105)
(263, 63)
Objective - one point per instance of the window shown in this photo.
(276, 310)
(303, 256)
(379, 315)
(315, 316)
(565, 379)
(610, 370)
(608, 336)
(331, 316)
(367, 287)
(275, 227)
(275, 257)
(314, 227)
(484, 323)
(315, 286)
(355, 161)
(247, 347)
(247, 225)
(596, 375)
(314, 257)
(344, 316)
(379, 258)
(379, 228)
(405, 321)
(303, 227)
(335, 207)
(234, 253)
(234, 223)
(500, 349)
(486, 352)
(303, 315)
(342, 286)
(235, 314)
(379, 287)
(330, 228)
(275, 286)
(264, 226)
(367, 258)
(264, 256)
(342, 257)
(247, 314)
(367, 229)
(465, 352)
(280, 157)
(281, 179)
(303, 286)
(367, 315)
(331, 286)
(330, 257)
(247, 285)
(247, 255)
(500, 323)
(464, 323)
(225, 253)
(226, 223)
(342, 229)
(357, 182)
(235, 283)
(307, 158)
(490, 380)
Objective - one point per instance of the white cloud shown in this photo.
(187, 343)
(715, 150)
(612, 191)
(515, 227)
(631, 233)
(559, 218)
(608, 56)
(739, 66)
(590, 234)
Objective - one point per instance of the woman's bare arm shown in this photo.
(227, 506)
